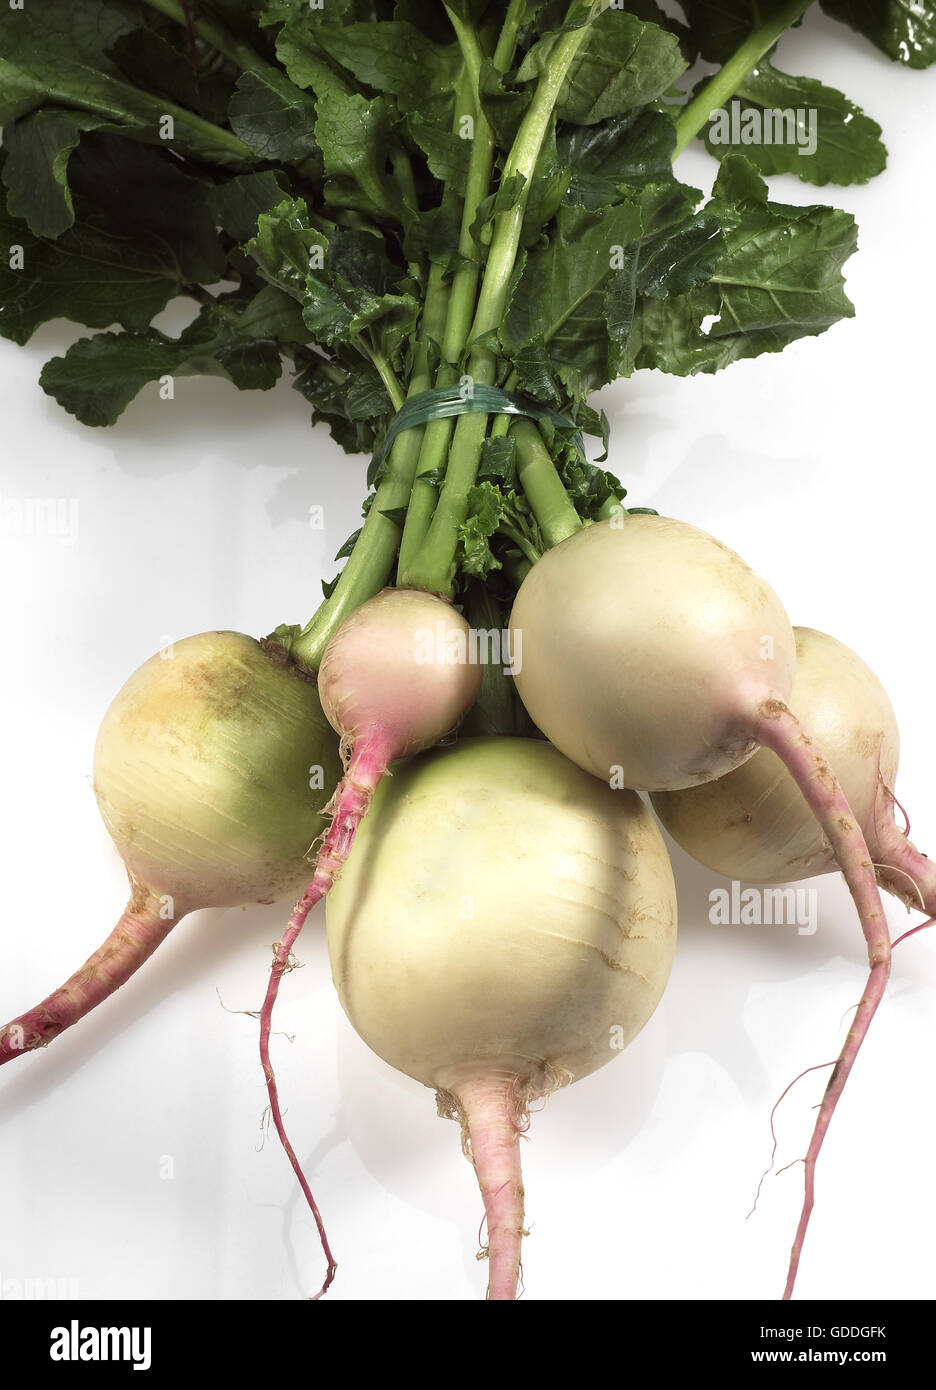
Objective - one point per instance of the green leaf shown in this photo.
(680, 257)
(905, 31)
(446, 153)
(284, 245)
(778, 279)
(610, 159)
(348, 546)
(58, 48)
(560, 295)
(393, 57)
(36, 171)
(150, 198)
(273, 116)
(719, 27)
(354, 136)
(623, 64)
(57, 52)
(485, 510)
(504, 107)
(87, 275)
(348, 396)
(499, 461)
(154, 64)
(824, 137)
(238, 203)
(98, 377)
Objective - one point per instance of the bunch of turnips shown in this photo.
(453, 223)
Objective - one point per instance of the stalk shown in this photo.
(542, 486)
(210, 139)
(369, 565)
(212, 31)
(438, 433)
(433, 567)
(724, 82)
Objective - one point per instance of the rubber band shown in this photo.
(443, 402)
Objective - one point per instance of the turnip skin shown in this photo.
(620, 588)
(504, 924)
(202, 771)
(752, 824)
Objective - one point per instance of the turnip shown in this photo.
(753, 824)
(211, 770)
(394, 679)
(504, 925)
(656, 659)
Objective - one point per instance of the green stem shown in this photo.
(723, 84)
(369, 565)
(438, 435)
(520, 541)
(611, 506)
(210, 141)
(542, 486)
(387, 375)
(213, 32)
(433, 567)
(402, 167)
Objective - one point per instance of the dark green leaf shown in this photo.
(238, 203)
(58, 53)
(610, 159)
(36, 171)
(153, 63)
(146, 195)
(348, 546)
(273, 116)
(98, 377)
(354, 136)
(446, 153)
(622, 64)
(559, 299)
(778, 279)
(499, 461)
(719, 27)
(393, 57)
(86, 275)
(905, 31)
(823, 137)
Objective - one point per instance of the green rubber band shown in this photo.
(442, 402)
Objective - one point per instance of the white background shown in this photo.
(817, 466)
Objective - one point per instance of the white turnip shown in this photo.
(655, 658)
(211, 770)
(504, 925)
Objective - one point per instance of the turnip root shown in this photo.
(211, 770)
(654, 658)
(394, 680)
(504, 925)
(753, 825)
